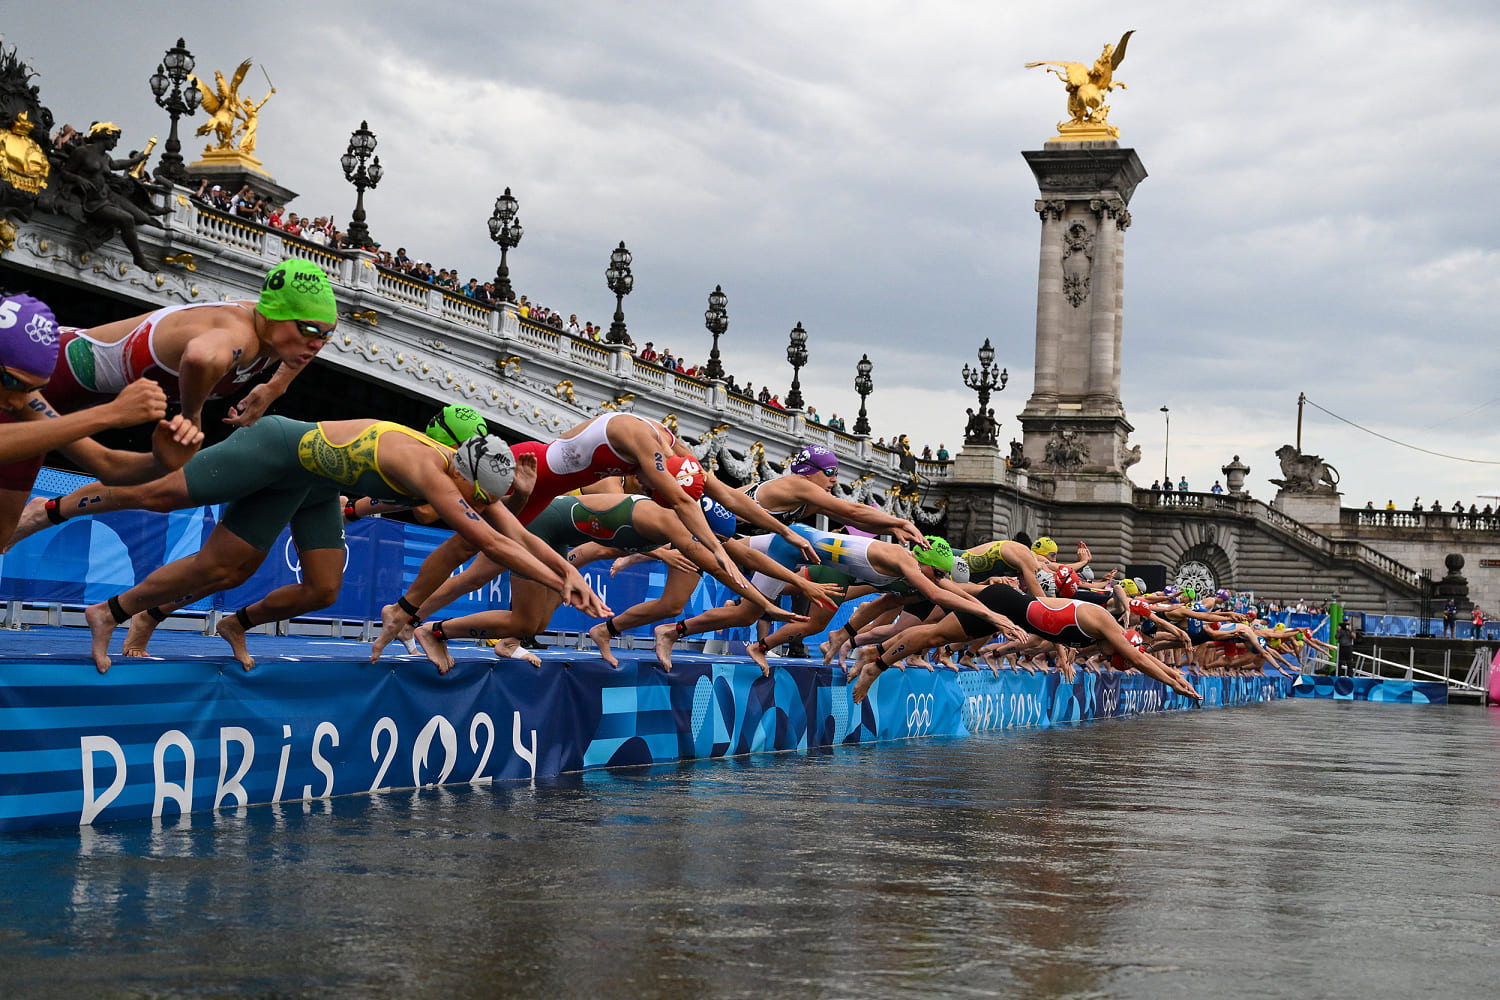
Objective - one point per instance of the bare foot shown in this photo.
(232, 632)
(142, 626)
(758, 655)
(510, 647)
(600, 634)
(915, 660)
(869, 669)
(394, 624)
(666, 638)
(827, 652)
(435, 648)
(102, 624)
(33, 519)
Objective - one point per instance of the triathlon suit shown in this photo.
(1060, 625)
(567, 521)
(281, 472)
(846, 560)
(567, 464)
(792, 516)
(983, 562)
(90, 371)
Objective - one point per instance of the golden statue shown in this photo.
(23, 164)
(1087, 87)
(233, 120)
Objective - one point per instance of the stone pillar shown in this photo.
(1074, 426)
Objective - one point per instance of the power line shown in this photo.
(1403, 444)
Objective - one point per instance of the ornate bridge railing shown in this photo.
(1223, 504)
(1421, 520)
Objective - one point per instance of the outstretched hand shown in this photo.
(175, 441)
(250, 409)
(139, 402)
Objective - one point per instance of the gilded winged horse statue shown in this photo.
(1088, 86)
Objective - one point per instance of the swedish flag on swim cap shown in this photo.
(297, 289)
(455, 424)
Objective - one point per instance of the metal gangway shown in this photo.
(1473, 687)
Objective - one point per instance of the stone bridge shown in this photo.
(421, 342)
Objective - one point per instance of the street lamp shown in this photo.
(1166, 449)
(361, 145)
(506, 231)
(864, 386)
(716, 319)
(620, 281)
(987, 378)
(166, 85)
(796, 355)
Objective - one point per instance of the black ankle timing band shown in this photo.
(117, 610)
(681, 628)
(54, 513)
(437, 631)
(157, 614)
(609, 626)
(243, 617)
(407, 606)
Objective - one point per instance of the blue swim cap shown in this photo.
(720, 521)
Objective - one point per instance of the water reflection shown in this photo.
(1228, 852)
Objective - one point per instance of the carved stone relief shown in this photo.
(1077, 263)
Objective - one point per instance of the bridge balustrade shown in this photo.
(1431, 520)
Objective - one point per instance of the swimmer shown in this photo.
(284, 472)
(195, 352)
(1068, 623)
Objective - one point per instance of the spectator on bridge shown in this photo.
(1390, 505)
(573, 326)
(1450, 615)
(1156, 485)
(927, 453)
(1416, 506)
(1216, 488)
(775, 402)
(942, 452)
(1458, 506)
(1473, 508)
(765, 394)
(1437, 506)
(1182, 487)
(1477, 618)
(835, 422)
(1369, 505)
(812, 415)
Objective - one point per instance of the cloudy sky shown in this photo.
(1318, 215)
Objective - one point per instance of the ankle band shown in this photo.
(157, 614)
(609, 626)
(407, 606)
(117, 610)
(54, 514)
(243, 617)
(437, 631)
(682, 628)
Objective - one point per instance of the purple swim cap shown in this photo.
(28, 335)
(814, 458)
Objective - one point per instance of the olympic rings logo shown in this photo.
(918, 714)
(294, 560)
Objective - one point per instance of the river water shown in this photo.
(1302, 848)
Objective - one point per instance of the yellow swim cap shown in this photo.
(1044, 546)
(1130, 588)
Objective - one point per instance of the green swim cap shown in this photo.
(455, 424)
(297, 289)
(939, 554)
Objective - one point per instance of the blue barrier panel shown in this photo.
(1371, 689)
(162, 737)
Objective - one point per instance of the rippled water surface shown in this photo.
(1293, 849)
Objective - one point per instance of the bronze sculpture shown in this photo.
(88, 189)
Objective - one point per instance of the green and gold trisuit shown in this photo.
(282, 472)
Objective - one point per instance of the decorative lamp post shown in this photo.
(716, 319)
(863, 385)
(1166, 449)
(796, 355)
(166, 84)
(620, 281)
(506, 231)
(988, 377)
(361, 145)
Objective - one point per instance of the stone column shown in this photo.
(1048, 295)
